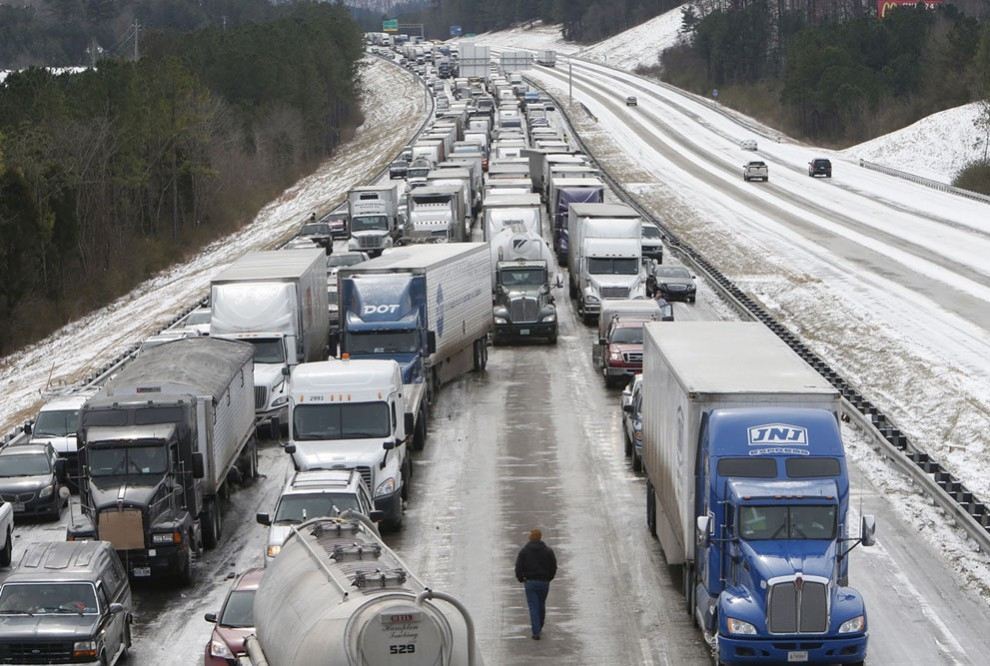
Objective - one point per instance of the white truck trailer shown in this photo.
(278, 302)
(473, 61)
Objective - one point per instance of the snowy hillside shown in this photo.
(641, 45)
(935, 147)
(531, 36)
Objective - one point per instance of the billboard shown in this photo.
(390, 25)
(884, 6)
(455, 31)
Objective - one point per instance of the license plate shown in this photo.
(523, 331)
(142, 572)
(17, 506)
(798, 656)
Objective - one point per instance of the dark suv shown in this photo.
(820, 167)
(31, 477)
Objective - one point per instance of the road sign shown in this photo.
(455, 31)
(715, 93)
(390, 25)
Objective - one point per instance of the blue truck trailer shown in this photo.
(748, 493)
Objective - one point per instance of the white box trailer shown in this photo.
(500, 211)
(547, 58)
(692, 368)
(473, 61)
(515, 61)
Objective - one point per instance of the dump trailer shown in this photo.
(748, 493)
(428, 307)
(337, 595)
(157, 446)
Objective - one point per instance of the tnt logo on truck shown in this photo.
(778, 438)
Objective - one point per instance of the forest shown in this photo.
(113, 173)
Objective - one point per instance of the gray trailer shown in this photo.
(158, 444)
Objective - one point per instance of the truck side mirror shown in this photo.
(702, 534)
(409, 422)
(376, 516)
(868, 530)
(263, 518)
(116, 608)
(198, 465)
(289, 448)
(628, 409)
(389, 444)
(285, 370)
(431, 342)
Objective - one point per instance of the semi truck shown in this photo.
(435, 215)
(373, 218)
(605, 255)
(564, 192)
(428, 307)
(337, 595)
(499, 211)
(157, 447)
(472, 61)
(343, 416)
(278, 302)
(546, 58)
(748, 493)
(524, 306)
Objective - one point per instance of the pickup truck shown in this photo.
(621, 356)
(756, 171)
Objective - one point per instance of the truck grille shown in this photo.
(795, 610)
(365, 473)
(614, 292)
(369, 241)
(35, 653)
(524, 310)
(633, 358)
(260, 397)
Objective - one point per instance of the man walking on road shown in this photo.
(536, 566)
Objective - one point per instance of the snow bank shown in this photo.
(641, 45)
(935, 147)
(535, 36)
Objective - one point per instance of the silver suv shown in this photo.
(312, 494)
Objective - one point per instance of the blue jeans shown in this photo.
(536, 597)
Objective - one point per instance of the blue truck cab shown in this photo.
(770, 574)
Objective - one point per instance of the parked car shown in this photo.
(631, 101)
(398, 169)
(756, 170)
(748, 144)
(233, 622)
(652, 243)
(31, 477)
(820, 167)
(312, 494)
(632, 420)
(66, 602)
(675, 283)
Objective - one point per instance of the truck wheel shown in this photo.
(184, 574)
(7, 554)
(484, 352)
(687, 574)
(572, 290)
(637, 462)
(651, 509)
(419, 435)
(628, 443)
(211, 526)
(395, 524)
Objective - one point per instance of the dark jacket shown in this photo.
(536, 561)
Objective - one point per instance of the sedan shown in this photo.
(234, 622)
(675, 283)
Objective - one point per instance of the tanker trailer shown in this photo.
(338, 596)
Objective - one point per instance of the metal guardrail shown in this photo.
(927, 182)
(968, 511)
(100, 375)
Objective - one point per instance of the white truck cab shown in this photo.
(346, 414)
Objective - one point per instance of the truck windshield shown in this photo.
(56, 423)
(628, 335)
(24, 464)
(369, 223)
(341, 421)
(383, 342)
(598, 266)
(297, 508)
(522, 277)
(48, 599)
(417, 172)
(268, 350)
(126, 460)
(758, 523)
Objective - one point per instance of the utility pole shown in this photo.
(224, 19)
(137, 52)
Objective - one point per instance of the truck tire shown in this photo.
(394, 524)
(637, 462)
(651, 509)
(212, 525)
(572, 290)
(687, 582)
(184, 574)
(628, 443)
(7, 554)
(419, 435)
(484, 352)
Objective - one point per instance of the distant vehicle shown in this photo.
(66, 603)
(234, 622)
(314, 494)
(336, 261)
(632, 101)
(546, 58)
(675, 283)
(756, 171)
(198, 320)
(748, 144)
(318, 233)
(31, 478)
(56, 424)
(338, 223)
(652, 243)
(820, 167)
(632, 421)
(398, 169)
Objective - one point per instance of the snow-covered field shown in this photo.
(393, 105)
(638, 46)
(531, 36)
(935, 147)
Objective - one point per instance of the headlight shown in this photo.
(46, 491)
(739, 627)
(167, 537)
(84, 649)
(274, 550)
(386, 487)
(220, 650)
(589, 298)
(615, 355)
(279, 401)
(853, 626)
(549, 317)
(501, 320)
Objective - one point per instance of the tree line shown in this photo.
(109, 175)
(841, 77)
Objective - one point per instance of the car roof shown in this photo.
(60, 560)
(249, 580)
(25, 449)
(66, 402)
(324, 480)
